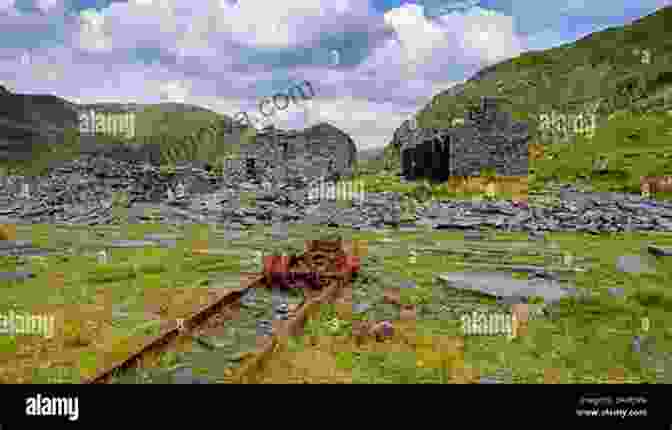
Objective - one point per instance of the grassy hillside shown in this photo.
(624, 72)
(172, 125)
(167, 123)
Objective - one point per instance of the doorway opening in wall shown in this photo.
(441, 159)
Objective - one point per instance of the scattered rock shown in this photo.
(511, 300)
(82, 192)
(632, 264)
(184, 375)
(16, 276)
(536, 236)
(660, 251)
(130, 244)
(15, 244)
(359, 308)
(162, 237)
(636, 345)
(473, 235)
(616, 292)
(500, 285)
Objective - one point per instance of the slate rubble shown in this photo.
(81, 192)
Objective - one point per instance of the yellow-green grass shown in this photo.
(589, 342)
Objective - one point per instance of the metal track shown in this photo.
(323, 257)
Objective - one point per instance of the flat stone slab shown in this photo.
(633, 264)
(660, 251)
(616, 292)
(15, 244)
(503, 285)
(160, 237)
(185, 375)
(16, 276)
(130, 244)
(533, 270)
(27, 252)
(474, 235)
(359, 308)
(446, 224)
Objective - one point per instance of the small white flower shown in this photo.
(102, 257)
(568, 259)
(412, 258)
(334, 324)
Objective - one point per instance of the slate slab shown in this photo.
(159, 237)
(16, 276)
(359, 308)
(616, 292)
(633, 264)
(660, 251)
(130, 244)
(473, 235)
(15, 244)
(184, 375)
(450, 223)
(26, 252)
(503, 285)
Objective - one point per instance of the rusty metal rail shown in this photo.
(327, 258)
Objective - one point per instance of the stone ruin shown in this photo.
(489, 139)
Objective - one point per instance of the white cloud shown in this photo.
(6, 5)
(46, 5)
(174, 91)
(367, 101)
(95, 33)
(474, 36)
(418, 36)
(486, 36)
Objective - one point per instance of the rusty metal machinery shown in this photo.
(324, 268)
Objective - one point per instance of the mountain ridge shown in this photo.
(606, 68)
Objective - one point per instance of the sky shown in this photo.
(371, 63)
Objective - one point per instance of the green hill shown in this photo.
(168, 124)
(607, 71)
(178, 128)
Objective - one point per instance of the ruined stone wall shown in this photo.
(489, 139)
(308, 152)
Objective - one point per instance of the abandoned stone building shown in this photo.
(315, 151)
(489, 139)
